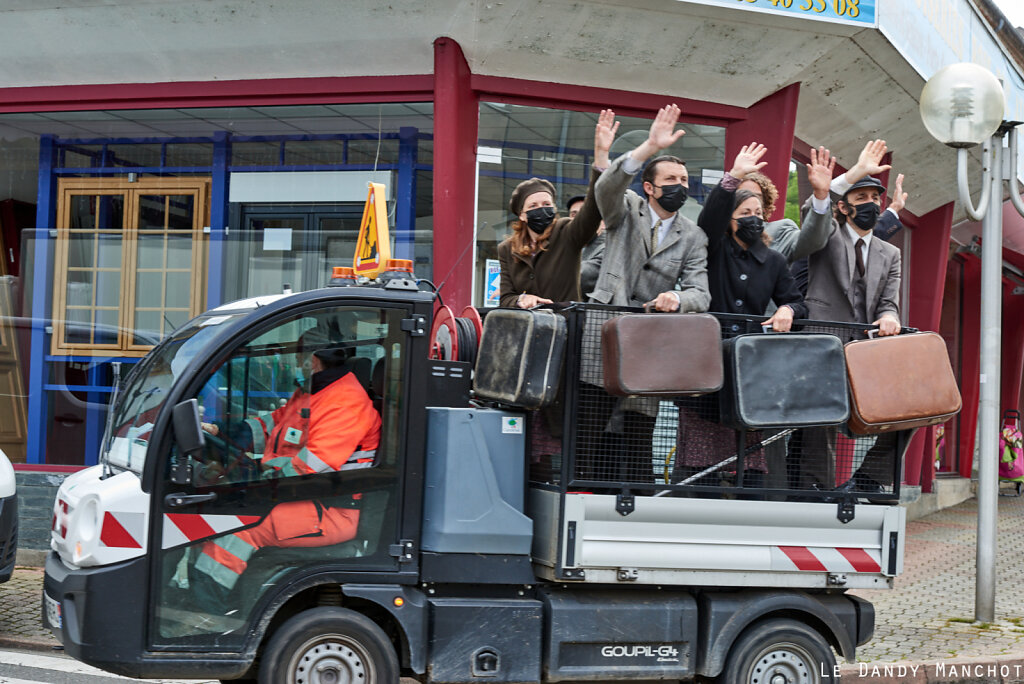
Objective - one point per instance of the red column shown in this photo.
(455, 136)
(770, 122)
(928, 257)
(970, 316)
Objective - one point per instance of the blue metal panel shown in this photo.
(218, 218)
(120, 170)
(67, 142)
(42, 288)
(405, 194)
(309, 137)
(92, 359)
(50, 387)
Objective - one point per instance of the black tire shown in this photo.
(779, 646)
(329, 638)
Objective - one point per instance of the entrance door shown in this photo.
(294, 245)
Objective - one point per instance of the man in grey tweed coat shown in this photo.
(652, 255)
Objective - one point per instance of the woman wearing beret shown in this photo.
(540, 261)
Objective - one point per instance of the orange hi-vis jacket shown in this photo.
(283, 431)
(344, 432)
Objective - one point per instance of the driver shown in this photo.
(343, 433)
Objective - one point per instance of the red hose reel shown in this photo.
(455, 338)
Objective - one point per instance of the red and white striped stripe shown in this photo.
(123, 530)
(182, 528)
(826, 559)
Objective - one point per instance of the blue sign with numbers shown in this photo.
(860, 12)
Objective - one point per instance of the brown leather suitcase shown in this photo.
(900, 382)
(661, 354)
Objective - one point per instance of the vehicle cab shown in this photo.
(135, 525)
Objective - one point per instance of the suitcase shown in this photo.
(519, 361)
(900, 382)
(661, 355)
(784, 380)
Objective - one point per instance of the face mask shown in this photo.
(749, 229)
(867, 215)
(672, 197)
(303, 372)
(540, 218)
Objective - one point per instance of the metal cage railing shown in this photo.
(590, 440)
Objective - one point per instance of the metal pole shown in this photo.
(988, 422)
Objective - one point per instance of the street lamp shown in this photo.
(962, 105)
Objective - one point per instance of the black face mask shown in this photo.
(540, 218)
(867, 215)
(672, 197)
(749, 229)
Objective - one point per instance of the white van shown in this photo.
(8, 518)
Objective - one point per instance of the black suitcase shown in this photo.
(784, 380)
(520, 357)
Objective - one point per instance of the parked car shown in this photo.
(8, 518)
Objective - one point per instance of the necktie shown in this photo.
(654, 236)
(860, 257)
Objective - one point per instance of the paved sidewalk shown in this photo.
(925, 622)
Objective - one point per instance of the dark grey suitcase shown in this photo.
(520, 357)
(784, 380)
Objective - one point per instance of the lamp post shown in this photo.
(962, 105)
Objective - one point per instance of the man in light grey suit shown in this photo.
(652, 255)
(854, 279)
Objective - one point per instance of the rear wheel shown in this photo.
(329, 646)
(780, 651)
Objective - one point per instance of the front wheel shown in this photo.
(333, 645)
(780, 651)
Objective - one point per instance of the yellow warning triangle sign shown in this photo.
(373, 247)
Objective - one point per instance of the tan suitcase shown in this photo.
(900, 382)
(661, 354)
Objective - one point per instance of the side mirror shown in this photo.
(188, 435)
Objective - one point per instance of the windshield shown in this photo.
(139, 401)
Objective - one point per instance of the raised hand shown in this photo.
(820, 170)
(898, 198)
(747, 160)
(663, 134)
(869, 163)
(604, 135)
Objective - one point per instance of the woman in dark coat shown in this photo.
(744, 274)
(540, 261)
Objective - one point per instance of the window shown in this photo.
(258, 405)
(519, 142)
(129, 262)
